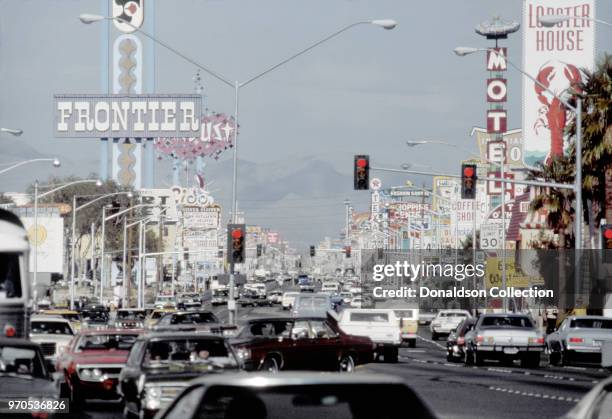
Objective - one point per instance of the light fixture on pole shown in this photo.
(55, 163)
(12, 131)
(551, 20)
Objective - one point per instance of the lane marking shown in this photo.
(535, 395)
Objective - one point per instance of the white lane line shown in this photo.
(536, 395)
(432, 342)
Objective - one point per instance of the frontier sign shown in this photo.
(126, 116)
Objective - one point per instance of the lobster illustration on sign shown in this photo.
(558, 77)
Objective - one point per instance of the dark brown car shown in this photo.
(300, 344)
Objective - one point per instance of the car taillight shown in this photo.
(479, 339)
(536, 341)
(460, 341)
(576, 340)
(10, 331)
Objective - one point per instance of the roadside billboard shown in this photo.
(50, 238)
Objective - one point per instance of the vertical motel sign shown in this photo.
(497, 91)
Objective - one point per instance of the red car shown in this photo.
(92, 362)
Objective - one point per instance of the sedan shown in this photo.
(579, 338)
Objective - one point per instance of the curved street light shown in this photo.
(551, 20)
(386, 24)
(12, 131)
(55, 162)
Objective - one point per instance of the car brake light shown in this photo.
(9, 331)
(479, 339)
(537, 341)
(460, 341)
(576, 340)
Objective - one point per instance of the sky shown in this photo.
(366, 91)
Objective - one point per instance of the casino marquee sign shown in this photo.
(127, 116)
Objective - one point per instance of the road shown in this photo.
(454, 390)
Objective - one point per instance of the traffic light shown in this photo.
(606, 242)
(259, 250)
(361, 172)
(347, 251)
(312, 251)
(236, 243)
(468, 181)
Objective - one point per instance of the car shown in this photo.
(94, 317)
(92, 362)
(157, 314)
(579, 338)
(73, 316)
(161, 364)
(380, 325)
(455, 343)
(330, 286)
(165, 301)
(189, 300)
(298, 395)
(219, 296)
(356, 301)
(312, 305)
(347, 297)
(288, 299)
(52, 333)
(258, 288)
(445, 321)
(275, 296)
(426, 316)
(504, 337)
(306, 283)
(250, 297)
(285, 343)
(408, 325)
(595, 404)
(24, 373)
(129, 318)
(201, 320)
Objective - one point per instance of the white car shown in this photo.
(330, 287)
(288, 299)
(356, 302)
(165, 301)
(275, 296)
(347, 297)
(52, 333)
(380, 325)
(447, 321)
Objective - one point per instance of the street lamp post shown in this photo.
(12, 131)
(56, 163)
(462, 51)
(387, 24)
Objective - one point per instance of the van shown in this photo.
(312, 305)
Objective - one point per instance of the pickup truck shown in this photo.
(380, 325)
(447, 321)
(408, 324)
(504, 337)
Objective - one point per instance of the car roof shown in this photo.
(505, 315)
(47, 318)
(190, 311)
(109, 331)
(589, 318)
(168, 335)
(58, 311)
(130, 309)
(295, 379)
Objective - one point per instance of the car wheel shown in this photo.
(478, 359)
(434, 336)
(530, 361)
(391, 355)
(469, 357)
(565, 359)
(412, 343)
(75, 400)
(346, 364)
(270, 365)
(449, 357)
(554, 357)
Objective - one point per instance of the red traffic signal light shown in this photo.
(468, 171)
(361, 173)
(235, 243)
(347, 251)
(468, 181)
(606, 243)
(236, 233)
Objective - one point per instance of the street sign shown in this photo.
(375, 184)
(490, 236)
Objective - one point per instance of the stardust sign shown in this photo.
(555, 57)
(126, 116)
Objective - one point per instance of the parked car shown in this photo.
(129, 318)
(426, 316)
(24, 372)
(161, 364)
(455, 343)
(299, 395)
(445, 321)
(288, 299)
(504, 337)
(165, 301)
(311, 305)
(380, 325)
(157, 314)
(201, 320)
(595, 404)
(92, 362)
(579, 339)
(189, 300)
(274, 344)
(52, 333)
(408, 325)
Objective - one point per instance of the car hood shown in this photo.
(18, 387)
(183, 373)
(101, 357)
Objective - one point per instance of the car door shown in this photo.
(298, 354)
(327, 345)
(130, 374)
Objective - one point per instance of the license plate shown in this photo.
(511, 351)
(597, 343)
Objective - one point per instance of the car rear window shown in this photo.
(457, 314)
(54, 328)
(370, 317)
(267, 329)
(184, 349)
(193, 318)
(131, 315)
(592, 323)
(404, 314)
(106, 341)
(507, 321)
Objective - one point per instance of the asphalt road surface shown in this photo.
(452, 389)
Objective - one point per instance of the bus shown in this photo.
(15, 287)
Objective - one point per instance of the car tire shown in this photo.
(391, 355)
(531, 361)
(449, 357)
(346, 364)
(565, 359)
(270, 364)
(554, 358)
(434, 336)
(478, 359)
(469, 357)
(75, 400)
(412, 343)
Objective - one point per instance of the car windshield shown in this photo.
(106, 341)
(370, 317)
(404, 314)
(592, 323)
(313, 302)
(130, 315)
(21, 361)
(95, 316)
(161, 353)
(506, 321)
(269, 329)
(192, 318)
(220, 293)
(10, 277)
(50, 327)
